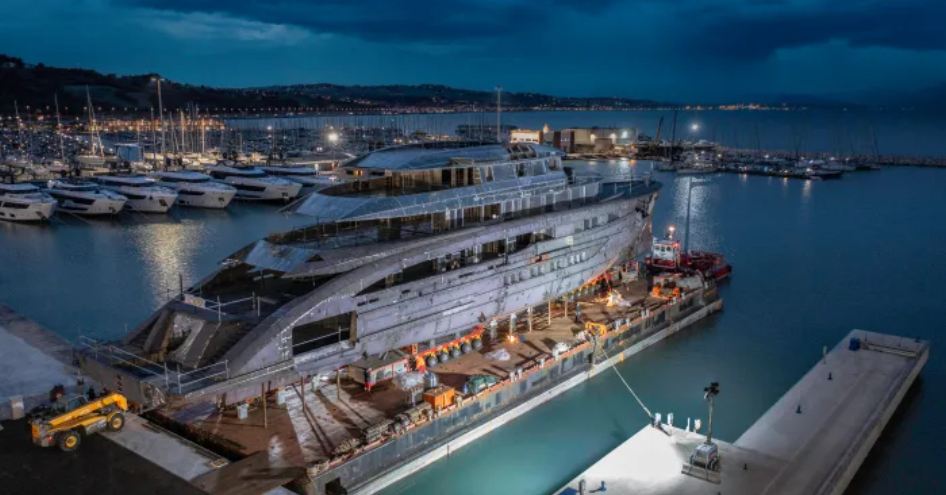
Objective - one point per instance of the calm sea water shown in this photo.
(812, 261)
(100, 277)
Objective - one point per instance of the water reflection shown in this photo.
(806, 192)
(702, 195)
(94, 277)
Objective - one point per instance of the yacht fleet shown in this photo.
(110, 193)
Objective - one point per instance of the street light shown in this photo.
(710, 393)
(694, 127)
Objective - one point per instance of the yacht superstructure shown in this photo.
(424, 243)
(254, 184)
(25, 202)
(143, 193)
(196, 189)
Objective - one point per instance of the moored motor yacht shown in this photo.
(309, 177)
(254, 184)
(196, 189)
(143, 193)
(25, 203)
(85, 198)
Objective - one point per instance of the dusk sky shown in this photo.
(716, 50)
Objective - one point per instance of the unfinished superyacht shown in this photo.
(421, 244)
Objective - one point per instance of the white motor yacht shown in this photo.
(85, 198)
(25, 203)
(143, 193)
(309, 177)
(196, 189)
(253, 184)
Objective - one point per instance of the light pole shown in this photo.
(710, 393)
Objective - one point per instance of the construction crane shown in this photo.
(66, 425)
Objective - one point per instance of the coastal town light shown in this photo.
(333, 137)
(694, 126)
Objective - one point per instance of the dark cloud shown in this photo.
(755, 31)
(381, 20)
(727, 29)
(663, 49)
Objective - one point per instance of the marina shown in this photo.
(428, 248)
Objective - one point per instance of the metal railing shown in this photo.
(218, 305)
(117, 357)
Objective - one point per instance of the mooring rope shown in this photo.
(629, 389)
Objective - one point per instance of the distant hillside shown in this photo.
(35, 85)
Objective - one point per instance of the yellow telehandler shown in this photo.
(64, 425)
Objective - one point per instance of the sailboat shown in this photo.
(95, 160)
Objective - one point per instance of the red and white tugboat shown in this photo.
(666, 256)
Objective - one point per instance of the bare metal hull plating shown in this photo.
(452, 303)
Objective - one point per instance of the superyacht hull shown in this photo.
(447, 241)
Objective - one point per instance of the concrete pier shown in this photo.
(32, 360)
(811, 441)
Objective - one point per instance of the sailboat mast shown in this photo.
(29, 133)
(499, 112)
(161, 115)
(93, 135)
(19, 125)
(673, 136)
(62, 150)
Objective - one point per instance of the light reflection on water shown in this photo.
(95, 277)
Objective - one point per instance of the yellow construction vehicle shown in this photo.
(65, 424)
